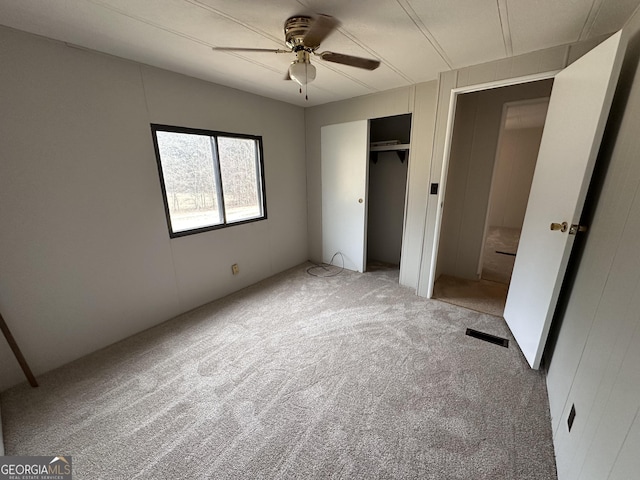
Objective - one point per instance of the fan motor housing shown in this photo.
(295, 28)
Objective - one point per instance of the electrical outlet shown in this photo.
(235, 269)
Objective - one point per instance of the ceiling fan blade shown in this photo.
(359, 62)
(320, 29)
(240, 49)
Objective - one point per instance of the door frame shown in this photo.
(453, 99)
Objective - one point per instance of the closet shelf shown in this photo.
(389, 148)
(402, 149)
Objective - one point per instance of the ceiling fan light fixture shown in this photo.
(302, 72)
(303, 36)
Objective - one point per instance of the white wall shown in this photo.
(85, 253)
(595, 364)
(471, 165)
(419, 100)
(513, 174)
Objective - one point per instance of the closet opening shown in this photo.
(364, 193)
(389, 147)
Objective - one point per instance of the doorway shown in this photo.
(494, 146)
(518, 145)
(578, 111)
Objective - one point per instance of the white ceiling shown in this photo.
(414, 39)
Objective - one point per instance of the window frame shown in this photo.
(213, 135)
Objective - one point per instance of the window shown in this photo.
(209, 179)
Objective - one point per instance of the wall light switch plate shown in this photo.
(235, 269)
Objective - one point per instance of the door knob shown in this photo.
(560, 226)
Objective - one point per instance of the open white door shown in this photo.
(344, 157)
(578, 110)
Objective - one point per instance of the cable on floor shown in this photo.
(323, 269)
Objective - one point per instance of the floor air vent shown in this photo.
(487, 337)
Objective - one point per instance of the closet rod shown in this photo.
(16, 351)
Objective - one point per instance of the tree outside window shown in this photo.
(209, 179)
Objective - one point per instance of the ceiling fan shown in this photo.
(303, 35)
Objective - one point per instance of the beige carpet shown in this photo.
(345, 377)
(489, 294)
(480, 295)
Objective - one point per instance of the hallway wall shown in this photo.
(515, 164)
